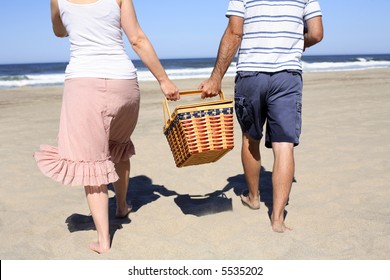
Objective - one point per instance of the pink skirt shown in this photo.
(98, 117)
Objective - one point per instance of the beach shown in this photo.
(339, 204)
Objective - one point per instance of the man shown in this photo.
(270, 37)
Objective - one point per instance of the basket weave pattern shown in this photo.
(200, 134)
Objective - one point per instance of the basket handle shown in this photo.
(192, 92)
(167, 113)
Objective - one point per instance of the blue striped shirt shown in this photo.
(273, 33)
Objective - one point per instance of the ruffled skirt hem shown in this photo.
(121, 151)
(74, 173)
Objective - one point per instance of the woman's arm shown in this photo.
(58, 27)
(144, 49)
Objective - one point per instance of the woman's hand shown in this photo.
(170, 90)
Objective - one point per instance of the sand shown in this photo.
(339, 205)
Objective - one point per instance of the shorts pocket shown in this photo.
(244, 113)
(298, 124)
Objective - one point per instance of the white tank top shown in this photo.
(96, 44)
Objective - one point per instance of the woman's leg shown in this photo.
(124, 105)
(122, 168)
(97, 198)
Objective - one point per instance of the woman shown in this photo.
(100, 103)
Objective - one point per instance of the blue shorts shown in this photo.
(272, 97)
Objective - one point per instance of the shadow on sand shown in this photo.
(239, 186)
(142, 191)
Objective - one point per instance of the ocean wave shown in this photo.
(14, 78)
(31, 80)
(186, 73)
(203, 72)
(143, 75)
(358, 64)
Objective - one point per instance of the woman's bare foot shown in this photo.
(124, 212)
(99, 248)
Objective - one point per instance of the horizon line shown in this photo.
(184, 58)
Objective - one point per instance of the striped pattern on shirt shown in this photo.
(273, 33)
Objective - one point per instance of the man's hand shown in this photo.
(210, 88)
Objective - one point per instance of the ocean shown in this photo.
(48, 74)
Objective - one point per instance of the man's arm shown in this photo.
(315, 31)
(228, 47)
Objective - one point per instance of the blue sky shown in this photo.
(190, 28)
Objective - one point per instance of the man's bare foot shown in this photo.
(253, 204)
(98, 248)
(279, 226)
(123, 213)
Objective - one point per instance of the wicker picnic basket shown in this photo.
(199, 133)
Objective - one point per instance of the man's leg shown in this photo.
(282, 177)
(251, 162)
